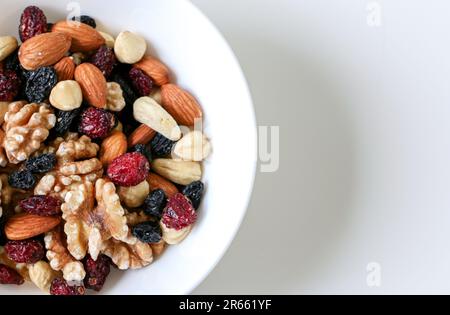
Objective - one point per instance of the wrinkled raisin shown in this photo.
(130, 96)
(85, 19)
(155, 203)
(41, 205)
(60, 286)
(65, 120)
(144, 149)
(148, 232)
(25, 252)
(104, 59)
(161, 146)
(40, 83)
(96, 272)
(10, 276)
(41, 164)
(23, 179)
(32, 22)
(194, 192)
(142, 83)
(96, 123)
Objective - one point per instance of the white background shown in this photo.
(364, 174)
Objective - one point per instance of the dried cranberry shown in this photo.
(32, 22)
(10, 276)
(26, 252)
(96, 123)
(142, 83)
(96, 272)
(179, 212)
(129, 169)
(105, 60)
(60, 286)
(9, 85)
(41, 205)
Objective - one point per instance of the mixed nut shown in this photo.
(96, 166)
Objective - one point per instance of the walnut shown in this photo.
(26, 127)
(158, 248)
(22, 269)
(127, 256)
(135, 218)
(3, 158)
(60, 258)
(42, 275)
(70, 170)
(115, 100)
(87, 227)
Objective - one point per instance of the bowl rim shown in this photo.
(253, 148)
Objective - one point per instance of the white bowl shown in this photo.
(203, 63)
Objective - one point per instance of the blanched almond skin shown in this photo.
(129, 47)
(7, 46)
(158, 182)
(154, 69)
(66, 95)
(194, 146)
(84, 37)
(44, 50)
(183, 107)
(150, 113)
(93, 84)
(179, 172)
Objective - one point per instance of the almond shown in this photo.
(44, 50)
(112, 147)
(183, 107)
(84, 37)
(157, 182)
(147, 111)
(154, 69)
(93, 84)
(142, 135)
(177, 171)
(194, 146)
(65, 69)
(25, 226)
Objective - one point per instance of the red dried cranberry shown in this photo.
(25, 252)
(9, 85)
(142, 83)
(96, 272)
(41, 205)
(105, 60)
(10, 276)
(129, 169)
(179, 213)
(32, 22)
(60, 286)
(96, 123)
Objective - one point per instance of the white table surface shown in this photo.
(361, 92)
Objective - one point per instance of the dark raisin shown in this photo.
(41, 205)
(85, 19)
(65, 120)
(155, 203)
(41, 164)
(49, 27)
(148, 232)
(9, 85)
(12, 62)
(40, 83)
(194, 191)
(22, 180)
(144, 149)
(161, 146)
(3, 239)
(130, 96)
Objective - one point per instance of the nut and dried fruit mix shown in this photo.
(96, 166)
